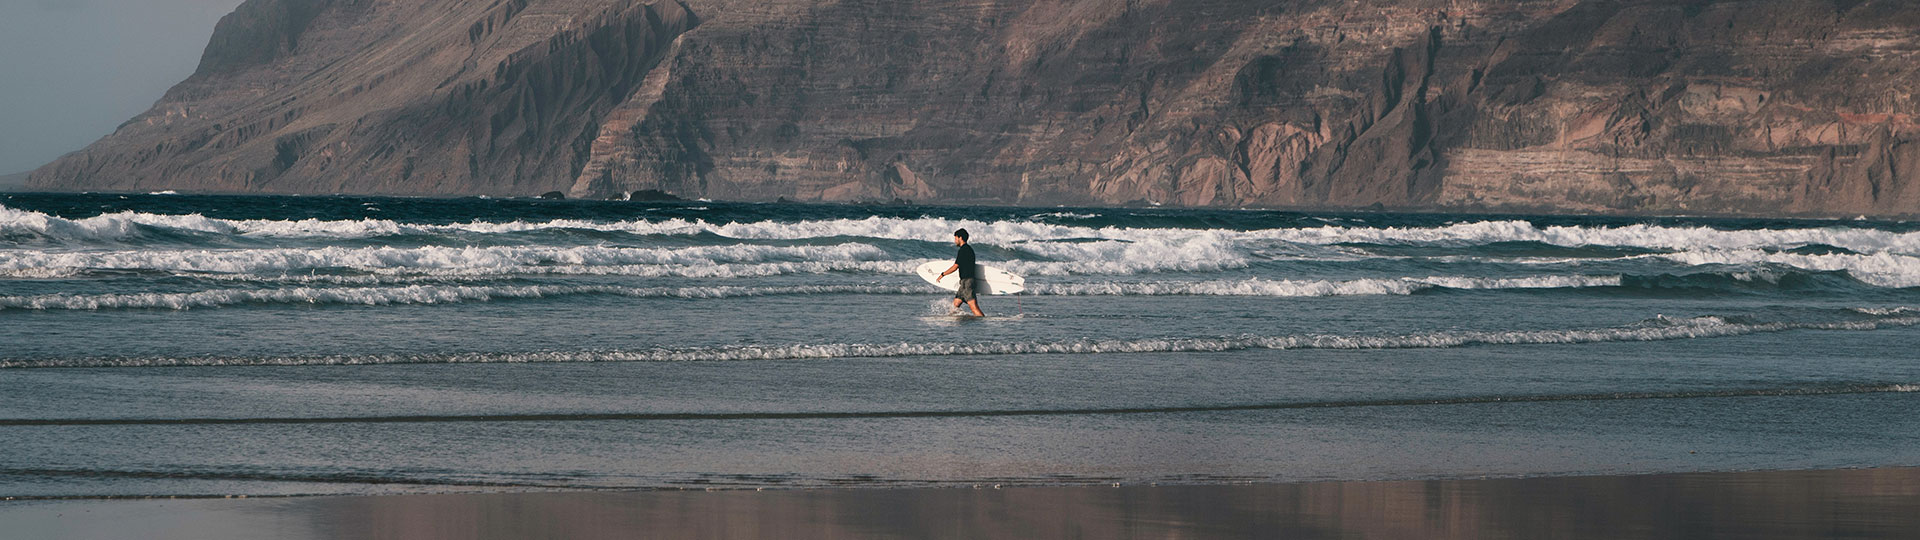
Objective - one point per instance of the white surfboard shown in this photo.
(992, 280)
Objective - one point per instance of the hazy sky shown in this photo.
(72, 70)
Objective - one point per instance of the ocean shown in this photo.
(184, 345)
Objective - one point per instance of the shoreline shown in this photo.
(1855, 503)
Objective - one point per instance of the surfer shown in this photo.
(963, 263)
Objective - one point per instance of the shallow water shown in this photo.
(165, 344)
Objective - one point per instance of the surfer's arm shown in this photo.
(950, 269)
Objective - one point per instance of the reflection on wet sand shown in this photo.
(1867, 503)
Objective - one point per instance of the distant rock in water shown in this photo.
(553, 195)
(652, 195)
(1591, 106)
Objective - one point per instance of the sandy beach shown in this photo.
(1862, 503)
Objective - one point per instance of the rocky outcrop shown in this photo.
(1740, 107)
(365, 96)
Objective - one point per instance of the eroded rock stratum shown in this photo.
(1756, 107)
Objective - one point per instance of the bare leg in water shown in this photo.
(971, 304)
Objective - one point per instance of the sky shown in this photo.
(73, 70)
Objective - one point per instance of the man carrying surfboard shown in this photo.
(963, 263)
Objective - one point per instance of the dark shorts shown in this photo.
(965, 292)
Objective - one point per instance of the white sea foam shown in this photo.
(1463, 234)
(280, 260)
(1884, 258)
(1067, 215)
(379, 276)
(42, 273)
(447, 294)
(734, 261)
(1284, 288)
(741, 260)
(120, 225)
(1634, 236)
(124, 224)
(1658, 329)
(1201, 253)
(1885, 311)
(414, 294)
(1524, 282)
(1877, 269)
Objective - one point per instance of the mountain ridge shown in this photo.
(1561, 106)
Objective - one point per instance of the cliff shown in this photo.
(1743, 107)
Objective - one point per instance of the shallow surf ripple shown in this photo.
(724, 320)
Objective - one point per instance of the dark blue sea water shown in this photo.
(202, 345)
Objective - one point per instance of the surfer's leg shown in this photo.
(965, 293)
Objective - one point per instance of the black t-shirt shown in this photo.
(965, 259)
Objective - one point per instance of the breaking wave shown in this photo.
(1876, 257)
(415, 294)
(1878, 269)
(1636, 235)
(382, 276)
(1660, 328)
(449, 294)
(126, 225)
(280, 260)
(387, 265)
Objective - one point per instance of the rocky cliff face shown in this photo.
(403, 97)
(1758, 106)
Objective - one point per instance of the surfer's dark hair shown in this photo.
(962, 233)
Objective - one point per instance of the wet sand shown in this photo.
(1862, 503)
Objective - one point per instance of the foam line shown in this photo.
(413, 294)
(279, 260)
(1283, 288)
(387, 276)
(1659, 328)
